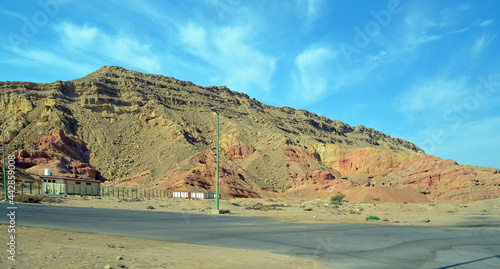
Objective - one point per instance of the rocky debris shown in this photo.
(262, 207)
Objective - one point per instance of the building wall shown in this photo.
(84, 188)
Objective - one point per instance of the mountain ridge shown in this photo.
(136, 129)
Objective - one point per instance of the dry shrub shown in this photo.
(36, 199)
(31, 199)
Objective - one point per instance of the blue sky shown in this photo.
(425, 71)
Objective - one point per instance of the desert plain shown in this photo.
(43, 248)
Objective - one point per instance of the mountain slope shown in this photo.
(136, 129)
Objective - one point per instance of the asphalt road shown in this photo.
(339, 245)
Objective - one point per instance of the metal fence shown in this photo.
(119, 192)
(155, 192)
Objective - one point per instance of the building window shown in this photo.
(44, 180)
(89, 183)
(77, 183)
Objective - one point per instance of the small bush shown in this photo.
(376, 199)
(131, 200)
(372, 218)
(337, 199)
(150, 207)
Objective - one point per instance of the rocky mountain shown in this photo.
(133, 129)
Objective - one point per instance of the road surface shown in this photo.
(338, 245)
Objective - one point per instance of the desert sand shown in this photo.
(42, 248)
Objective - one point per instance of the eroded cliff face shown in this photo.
(437, 179)
(136, 129)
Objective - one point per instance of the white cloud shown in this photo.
(194, 36)
(75, 36)
(230, 50)
(313, 65)
(124, 49)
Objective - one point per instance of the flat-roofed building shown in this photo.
(70, 185)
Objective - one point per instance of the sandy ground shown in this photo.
(41, 248)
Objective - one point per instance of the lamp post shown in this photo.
(217, 171)
(4, 174)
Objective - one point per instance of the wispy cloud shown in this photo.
(231, 50)
(455, 117)
(310, 9)
(12, 14)
(454, 32)
(485, 23)
(473, 142)
(432, 96)
(480, 44)
(419, 30)
(323, 71)
(44, 58)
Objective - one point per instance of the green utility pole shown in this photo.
(4, 174)
(217, 171)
